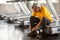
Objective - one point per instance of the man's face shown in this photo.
(36, 9)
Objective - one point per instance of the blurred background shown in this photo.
(21, 10)
(8, 8)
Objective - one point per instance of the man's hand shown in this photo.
(37, 26)
(34, 29)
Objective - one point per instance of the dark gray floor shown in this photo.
(9, 32)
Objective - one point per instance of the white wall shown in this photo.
(7, 8)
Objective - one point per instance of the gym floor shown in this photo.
(10, 32)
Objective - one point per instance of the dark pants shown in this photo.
(34, 21)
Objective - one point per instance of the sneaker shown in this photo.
(32, 34)
(38, 36)
(41, 30)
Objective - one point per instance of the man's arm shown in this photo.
(36, 27)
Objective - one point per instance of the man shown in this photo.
(40, 18)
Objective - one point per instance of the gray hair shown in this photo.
(35, 5)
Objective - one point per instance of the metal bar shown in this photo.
(16, 7)
(25, 7)
(22, 8)
(52, 9)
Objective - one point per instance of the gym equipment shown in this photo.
(3, 17)
(10, 20)
(15, 19)
(20, 26)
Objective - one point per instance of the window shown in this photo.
(44, 1)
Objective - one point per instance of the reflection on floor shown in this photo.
(9, 32)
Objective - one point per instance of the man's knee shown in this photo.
(32, 17)
(46, 21)
(44, 18)
(34, 21)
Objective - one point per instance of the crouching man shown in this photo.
(40, 18)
